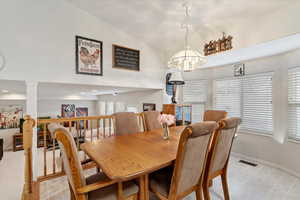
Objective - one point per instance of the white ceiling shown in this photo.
(157, 22)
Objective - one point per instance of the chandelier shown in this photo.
(187, 59)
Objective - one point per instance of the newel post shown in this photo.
(27, 144)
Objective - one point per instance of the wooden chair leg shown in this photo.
(72, 196)
(120, 191)
(142, 188)
(199, 194)
(210, 183)
(225, 186)
(206, 191)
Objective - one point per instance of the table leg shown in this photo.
(146, 177)
(142, 188)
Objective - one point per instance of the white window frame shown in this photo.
(257, 132)
(291, 137)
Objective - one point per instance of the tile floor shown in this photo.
(245, 182)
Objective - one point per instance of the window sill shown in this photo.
(293, 141)
(245, 132)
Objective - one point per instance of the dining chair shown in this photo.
(218, 156)
(125, 123)
(150, 119)
(95, 187)
(187, 174)
(214, 115)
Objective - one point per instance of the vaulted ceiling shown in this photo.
(157, 22)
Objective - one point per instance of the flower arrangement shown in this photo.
(166, 120)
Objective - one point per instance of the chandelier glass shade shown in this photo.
(187, 59)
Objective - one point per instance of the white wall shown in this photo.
(53, 107)
(137, 99)
(250, 144)
(39, 44)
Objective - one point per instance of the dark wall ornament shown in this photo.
(239, 69)
(216, 46)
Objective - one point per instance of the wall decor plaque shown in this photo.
(239, 69)
(89, 56)
(216, 46)
(126, 58)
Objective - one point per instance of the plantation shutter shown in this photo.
(294, 103)
(197, 112)
(195, 93)
(228, 96)
(257, 112)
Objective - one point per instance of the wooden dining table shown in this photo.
(131, 156)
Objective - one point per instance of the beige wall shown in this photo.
(252, 145)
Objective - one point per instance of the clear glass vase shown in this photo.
(166, 135)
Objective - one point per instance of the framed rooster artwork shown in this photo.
(89, 56)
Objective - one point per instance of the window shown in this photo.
(257, 112)
(228, 96)
(195, 93)
(250, 98)
(294, 103)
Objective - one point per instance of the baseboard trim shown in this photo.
(267, 163)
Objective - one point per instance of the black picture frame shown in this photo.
(149, 106)
(121, 54)
(77, 52)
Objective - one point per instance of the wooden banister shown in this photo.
(28, 191)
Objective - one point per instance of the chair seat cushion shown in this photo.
(110, 192)
(160, 181)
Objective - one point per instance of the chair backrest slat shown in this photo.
(221, 147)
(214, 115)
(126, 123)
(151, 120)
(72, 165)
(191, 157)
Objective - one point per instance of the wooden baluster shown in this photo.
(98, 133)
(91, 128)
(45, 148)
(53, 154)
(109, 119)
(84, 132)
(104, 127)
(28, 125)
(77, 133)
(85, 128)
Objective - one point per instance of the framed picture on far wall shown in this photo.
(10, 116)
(82, 112)
(149, 107)
(67, 110)
(89, 56)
